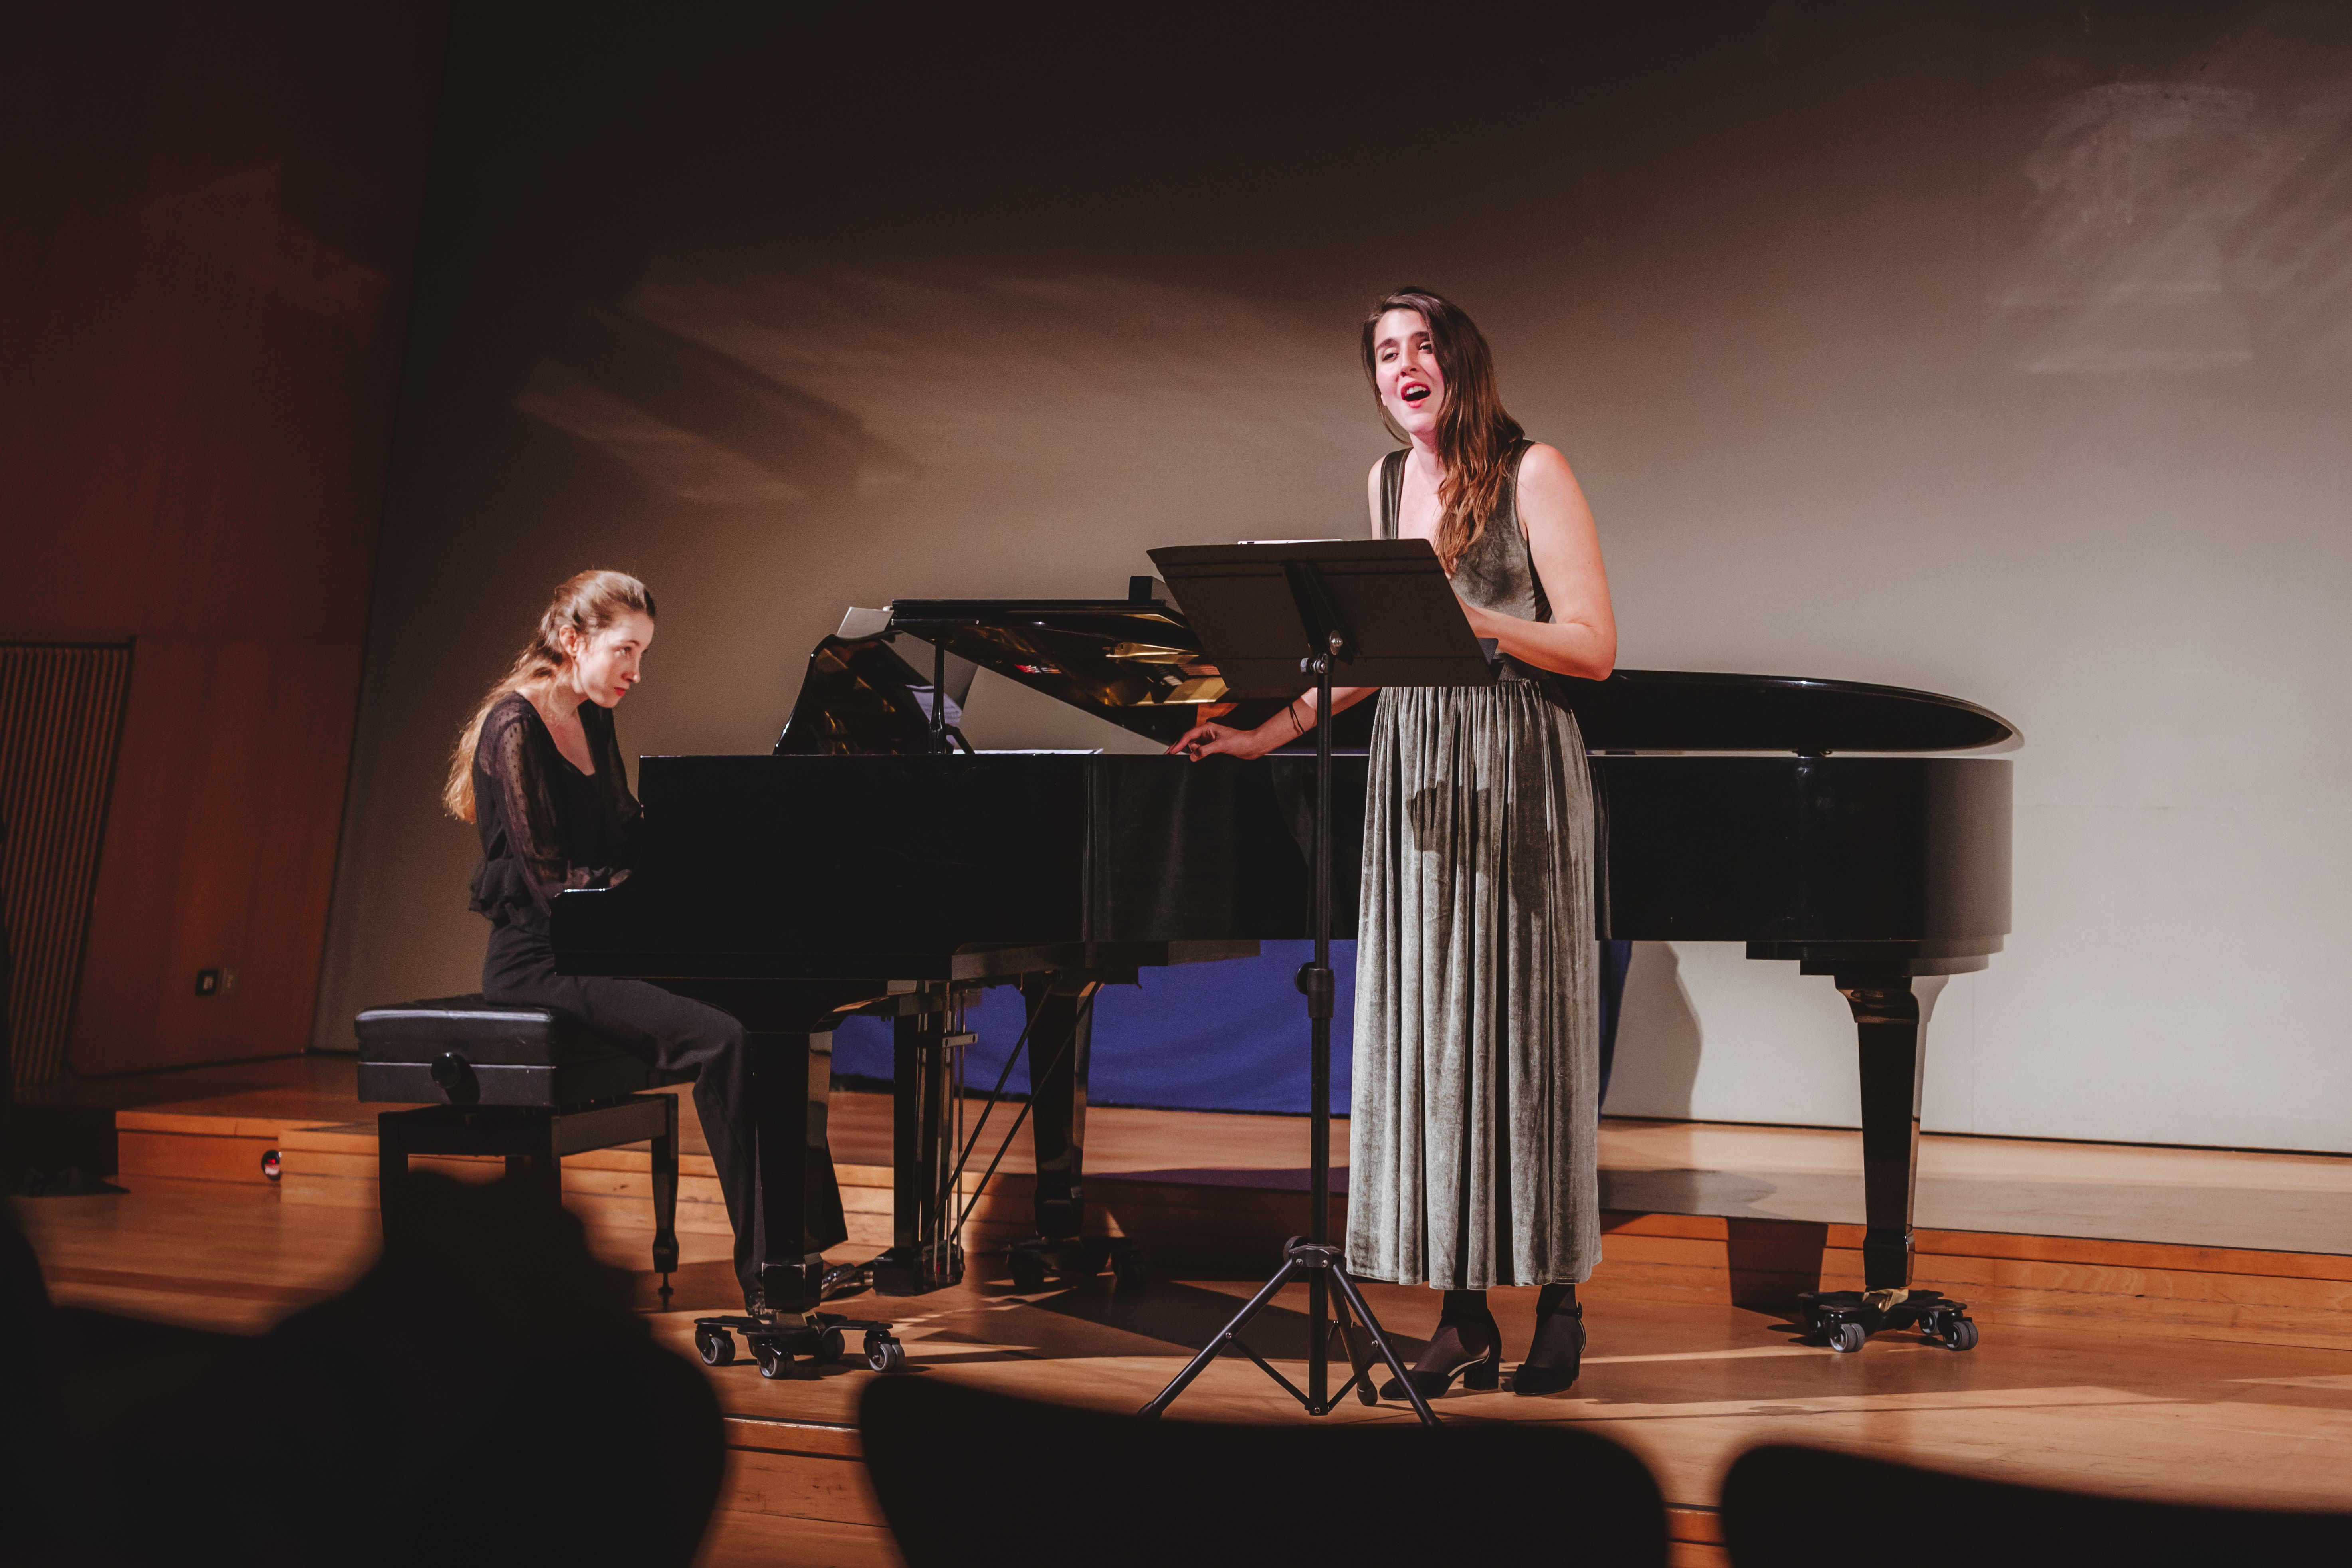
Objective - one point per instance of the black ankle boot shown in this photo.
(1449, 1356)
(1557, 1354)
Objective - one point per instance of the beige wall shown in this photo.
(1921, 349)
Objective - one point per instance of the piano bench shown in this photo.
(524, 1083)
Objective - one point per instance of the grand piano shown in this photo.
(875, 862)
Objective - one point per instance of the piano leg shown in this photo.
(799, 1201)
(1057, 1101)
(1061, 1038)
(1892, 1020)
(1893, 1029)
(923, 1254)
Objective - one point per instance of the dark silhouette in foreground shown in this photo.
(1180, 1494)
(1784, 1507)
(484, 1394)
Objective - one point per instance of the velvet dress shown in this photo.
(1474, 1110)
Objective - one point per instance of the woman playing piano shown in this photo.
(1475, 1114)
(538, 770)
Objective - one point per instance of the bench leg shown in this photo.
(666, 1198)
(543, 1168)
(391, 1170)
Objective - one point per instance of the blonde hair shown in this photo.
(586, 604)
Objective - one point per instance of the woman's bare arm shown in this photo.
(1581, 636)
(1214, 739)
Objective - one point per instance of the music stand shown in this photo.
(1276, 619)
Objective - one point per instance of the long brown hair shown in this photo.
(587, 605)
(1473, 433)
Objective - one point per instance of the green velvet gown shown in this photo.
(1474, 1119)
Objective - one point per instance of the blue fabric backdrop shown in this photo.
(1199, 1037)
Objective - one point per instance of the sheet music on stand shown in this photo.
(1255, 607)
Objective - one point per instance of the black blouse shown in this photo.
(545, 824)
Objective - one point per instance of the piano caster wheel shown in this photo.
(1957, 1334)
(884, 1353)
(1127, 1268)
(1845, 1338)
(716, 1346)
(1028, 1273)
(775, 1362)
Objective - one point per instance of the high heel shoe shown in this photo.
(1481, 1372)
(1363, 1356)
(1560, 1344)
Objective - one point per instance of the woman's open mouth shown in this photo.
(1412, 391)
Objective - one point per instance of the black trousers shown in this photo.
(673, 1033)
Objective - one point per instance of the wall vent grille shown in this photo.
(60, 725)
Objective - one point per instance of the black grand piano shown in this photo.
(875, 862)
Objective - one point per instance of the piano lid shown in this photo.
(1135, 663)
(1685, 711)
(861, 699)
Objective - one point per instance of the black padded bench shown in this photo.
(529, 1084)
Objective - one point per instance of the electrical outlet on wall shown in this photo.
(228, 981)
(208, 982)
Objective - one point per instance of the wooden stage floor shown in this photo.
(2187, 1197)
(2215, 1367)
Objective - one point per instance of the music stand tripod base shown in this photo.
(1302, 1257)
(1385, 609)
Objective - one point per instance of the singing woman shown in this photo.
(1475, 1116)
(538, 770)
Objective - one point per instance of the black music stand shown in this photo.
(1275, 619)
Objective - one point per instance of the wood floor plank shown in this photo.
(184, 1284)
(738, 1540)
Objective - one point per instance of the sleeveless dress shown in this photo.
(1474, 1114)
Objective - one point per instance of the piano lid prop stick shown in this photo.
(939, 695)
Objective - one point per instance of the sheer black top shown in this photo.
(545, 824)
